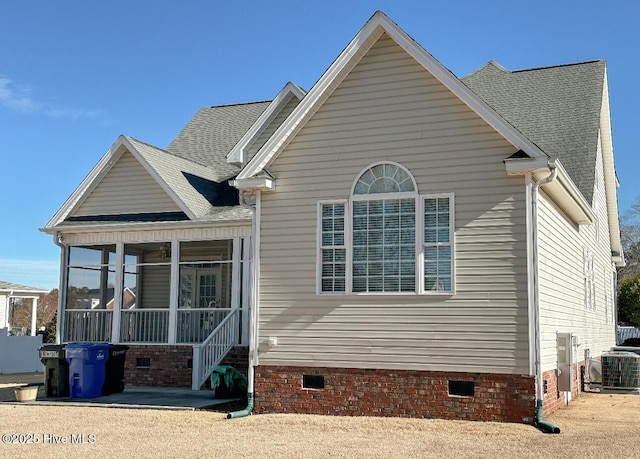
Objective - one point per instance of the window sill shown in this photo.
(435, 294)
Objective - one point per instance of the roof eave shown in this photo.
(520, 166)
(611, 183)
(564, 192)
(98, 172)
(255, 183)
(89, 182)
(158, 178)
(137, 226)
(237, 154)
(23, 292)
(378, 24)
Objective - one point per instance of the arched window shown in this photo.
(386, 238)
(383, 241)
(384, 178)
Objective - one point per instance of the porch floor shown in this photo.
(132, 397)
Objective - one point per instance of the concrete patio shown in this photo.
(131, 397)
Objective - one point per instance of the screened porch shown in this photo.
(153, 293)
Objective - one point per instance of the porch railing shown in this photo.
(195, 325)
(87, 325)
(210, 353)
(144, 326)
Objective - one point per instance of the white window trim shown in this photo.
(589, 280)
(320, 247)
(379, 163)
(419, 242)
(422, 244)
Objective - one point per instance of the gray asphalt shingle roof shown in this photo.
(211, 134)
(557, 108)
(10, 286)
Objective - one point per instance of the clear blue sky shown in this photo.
(76, 74)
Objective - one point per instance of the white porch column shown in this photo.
(174, 290)
(236, 286)
(117, 293)
(34, 314)
(62, 292)
(246, 290)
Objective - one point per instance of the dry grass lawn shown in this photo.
(595, 425)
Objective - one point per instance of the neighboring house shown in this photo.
(10, 292)
(403, 242)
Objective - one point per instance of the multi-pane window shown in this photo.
(384, 255)
(438, 259)
(589, 280)
(386, 238)
(332, 247)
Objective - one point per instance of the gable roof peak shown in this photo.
(489, 66)
(368, 35)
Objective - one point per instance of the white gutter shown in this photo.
(535, 340)
(253, 311)
(535, 277)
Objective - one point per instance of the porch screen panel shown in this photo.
(90, 293)
(204, 298)
(146, 293)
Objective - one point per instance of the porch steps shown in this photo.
(209, 354)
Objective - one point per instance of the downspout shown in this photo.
(543, 425)
(615, 305)
(62, 291)
(253, 316)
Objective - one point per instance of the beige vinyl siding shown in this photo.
(154, 282)
(272, 126)
(126, 188)
(390, 109)
(562, 289)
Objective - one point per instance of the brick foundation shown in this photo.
(170, 366)
(371, 392)
(553, 400)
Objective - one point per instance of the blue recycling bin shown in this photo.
(87, 366)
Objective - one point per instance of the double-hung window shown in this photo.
(386, 238)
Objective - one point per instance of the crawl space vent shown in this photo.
(461, 388)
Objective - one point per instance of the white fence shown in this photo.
(624, 333)
(19, 354)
